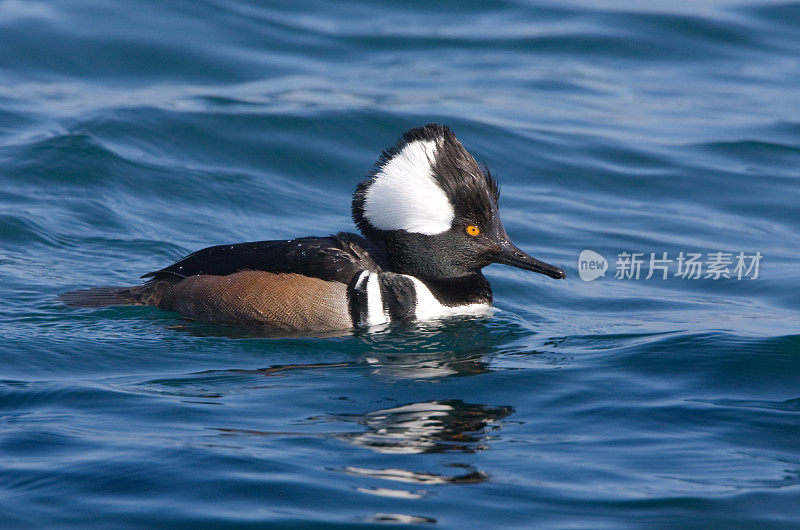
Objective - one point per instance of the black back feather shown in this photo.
(333, 258)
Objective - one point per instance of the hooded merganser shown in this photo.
(429, 217)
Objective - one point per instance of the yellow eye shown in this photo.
(473, 230)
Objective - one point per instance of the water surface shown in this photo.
(133, 133)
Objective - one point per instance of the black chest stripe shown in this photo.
(358, 298)
(399, 296)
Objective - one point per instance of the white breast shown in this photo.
(429, 308)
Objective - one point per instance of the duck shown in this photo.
(429, 222)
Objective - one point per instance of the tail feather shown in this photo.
(147, 294)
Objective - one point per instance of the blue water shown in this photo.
(133, 133)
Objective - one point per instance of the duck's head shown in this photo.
(436, 210)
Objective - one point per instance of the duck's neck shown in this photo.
(467, 288)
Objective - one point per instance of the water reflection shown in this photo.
(401, 475)
(423, 350)
(412, 366)
(420, 365)
(418, 428)
(431, 350)
(399, 518)
(415, 428)
(392, 434)
(393, 493)
(427, 427)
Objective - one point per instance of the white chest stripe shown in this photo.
(375, 313)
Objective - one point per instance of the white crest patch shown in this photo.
(405, 196)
